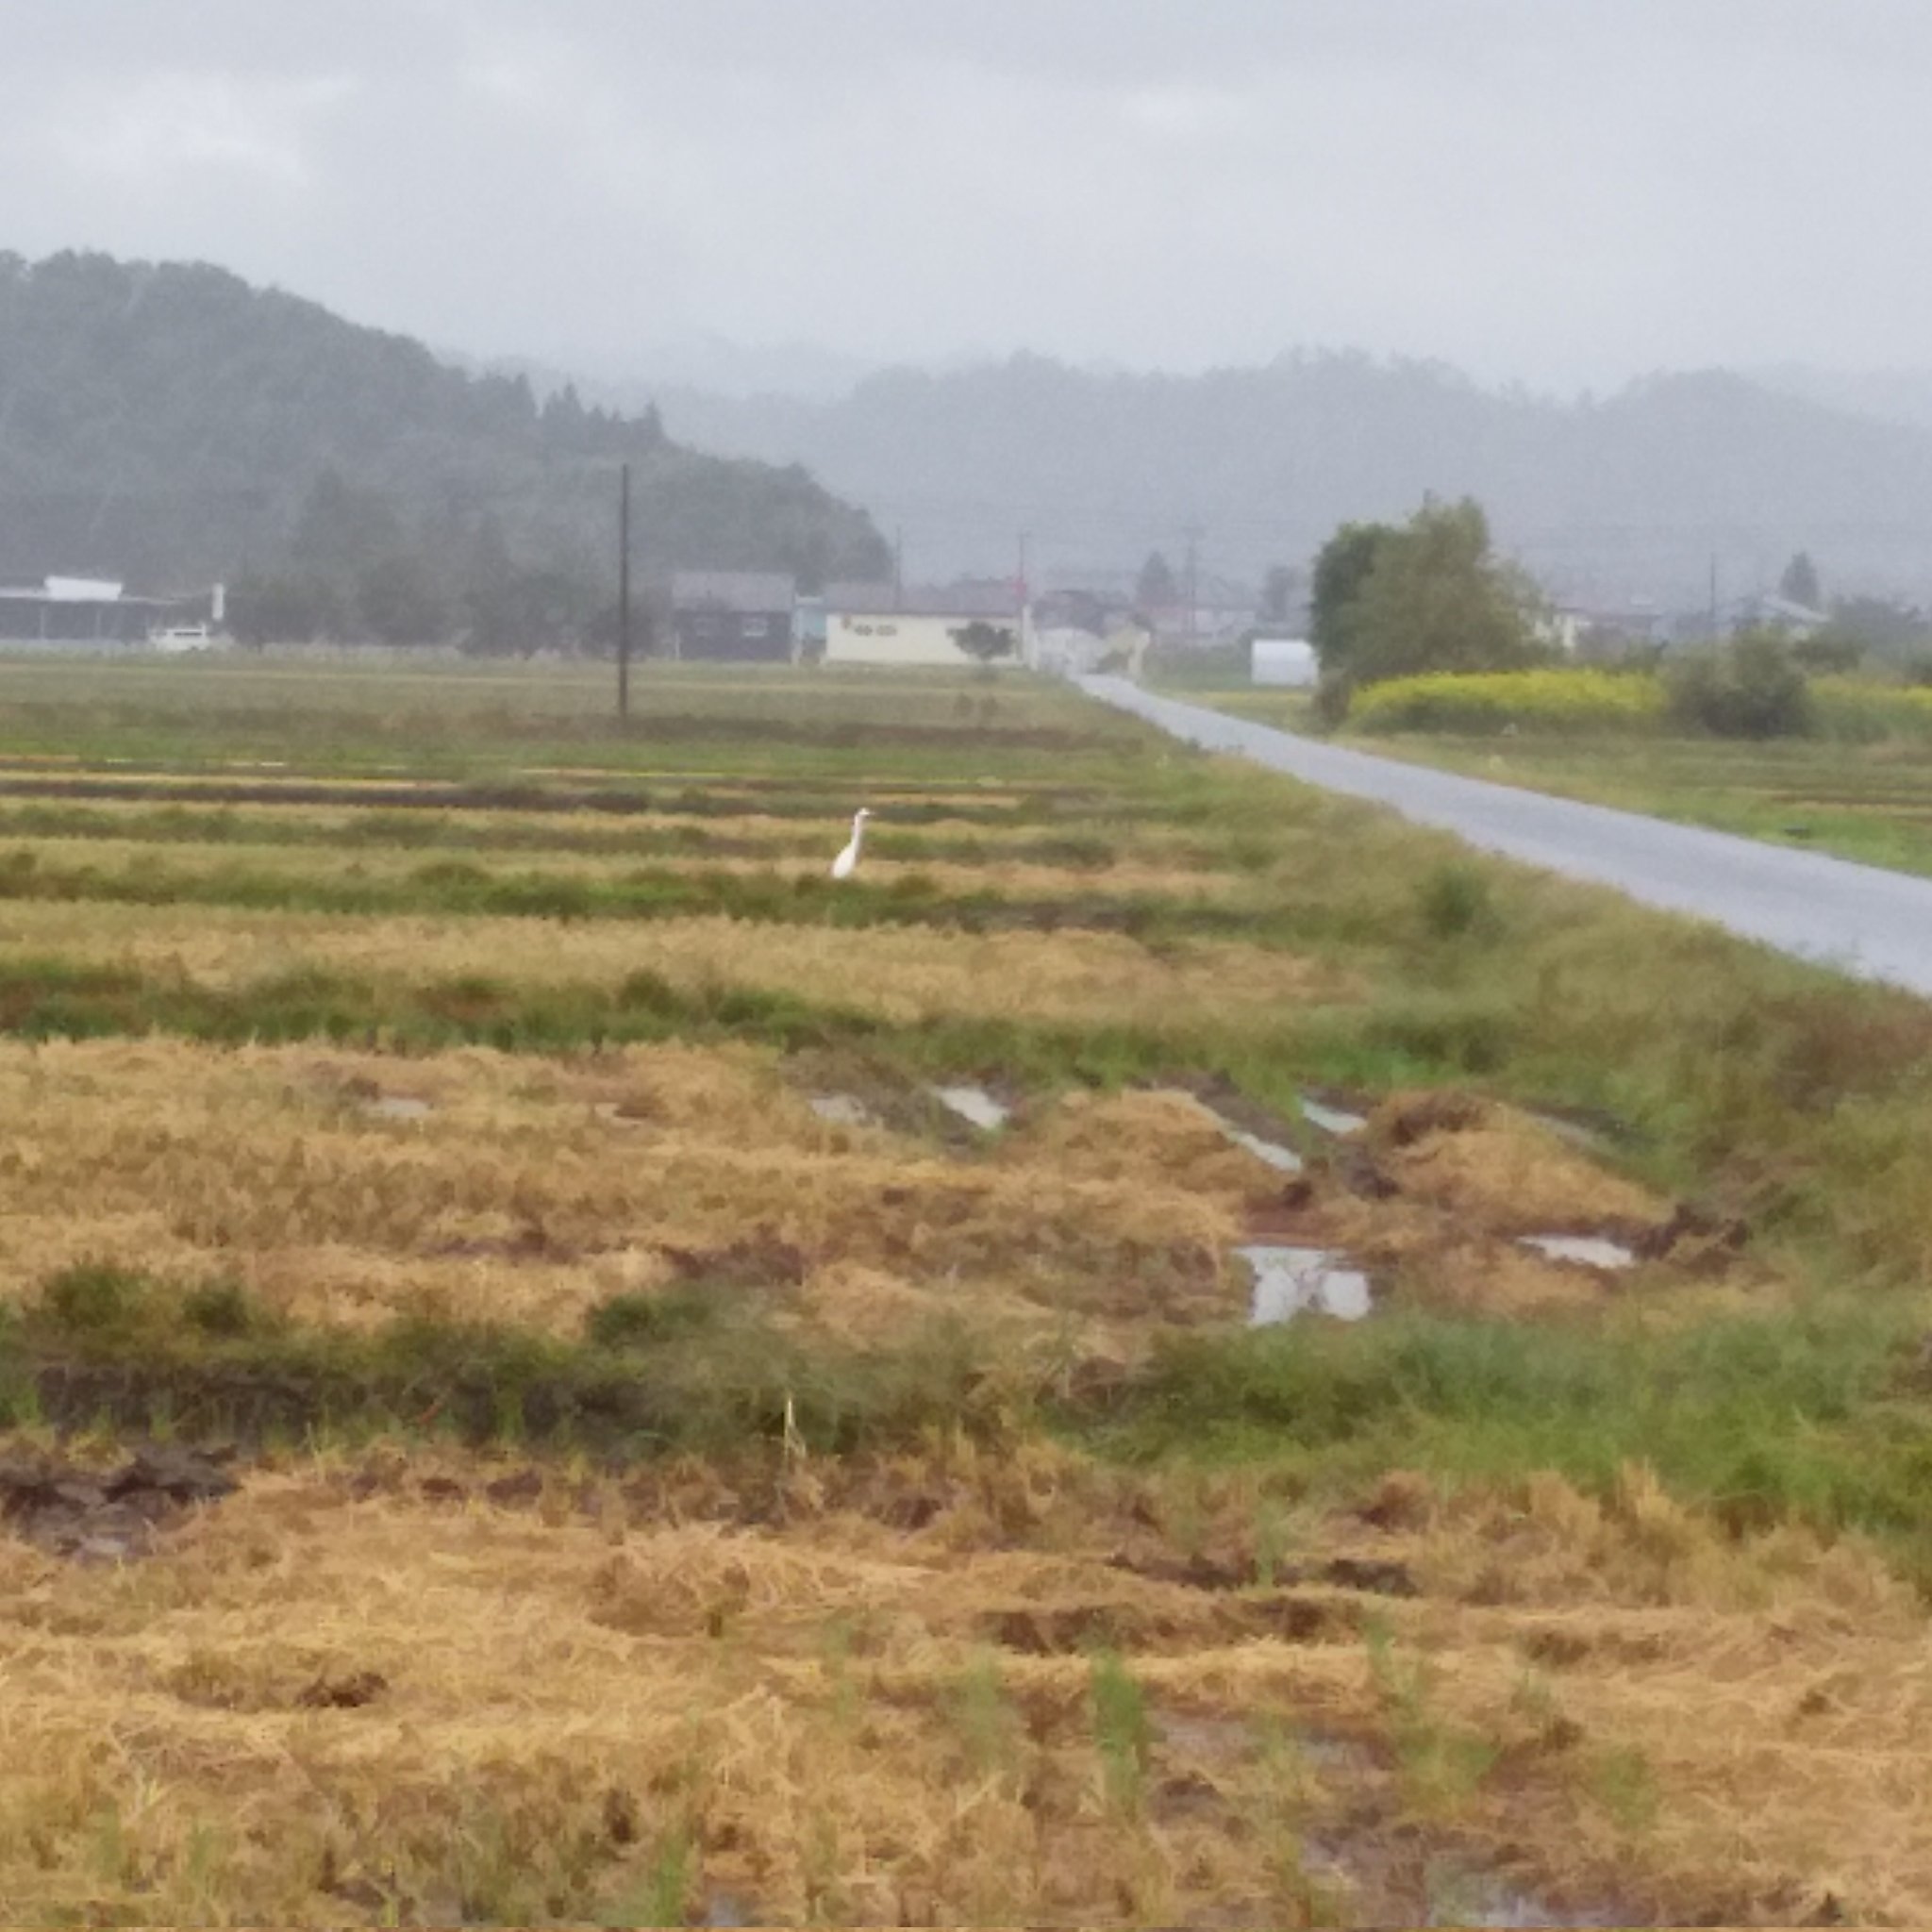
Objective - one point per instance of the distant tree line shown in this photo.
(172, 427)
(353, 569)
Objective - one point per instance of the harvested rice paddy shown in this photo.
(558, 1368)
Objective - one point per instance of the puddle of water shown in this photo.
(842, 1111)
(1289, 1281)
(1584, 1250)
(1451, 1893)
(1574, 1133)
(1332, 1120)
(973, 1104)
(400, 1106)
(1285, 1160)
(1458, 1898)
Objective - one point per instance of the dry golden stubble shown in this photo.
(352, 1689)
(348, 1188)
(191, 862)
(904, 974)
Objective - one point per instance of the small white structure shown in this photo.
(1285, 662)
(1072, 652)
(182, 637)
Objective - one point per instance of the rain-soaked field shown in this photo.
(563, 1367)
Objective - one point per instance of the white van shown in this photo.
(182, 637)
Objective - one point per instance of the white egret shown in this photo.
(847, 862)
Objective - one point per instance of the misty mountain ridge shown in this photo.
(1888, 396)
(169, 424)
(1628, 496)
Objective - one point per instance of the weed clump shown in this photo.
(642, 1321)
(95, 1300)
(1456, 901)
(1123, 1732)
(1752, 688)
(225, 1310)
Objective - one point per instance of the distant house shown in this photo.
(1769, 611)
(1203, 626)
(99, 610)
(862, 597)
(1075, 610)
(872, 624)
(736, 616)
(909, 637)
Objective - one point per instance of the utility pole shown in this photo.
(1026, 538)
(899, 568)
(623, 594)
(1193, 533)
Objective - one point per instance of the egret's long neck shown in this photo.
(858, 832)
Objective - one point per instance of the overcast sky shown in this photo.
(1564, 192)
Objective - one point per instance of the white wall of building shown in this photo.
(1285, 661)
(904, 640)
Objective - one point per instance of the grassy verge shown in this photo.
(1815, 1416)
(1872, 802)
(1861, 788)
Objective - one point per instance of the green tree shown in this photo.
(283, 609)
(985, 640)
(398, 601)
(342, 528)
(1278, 593)
(1800, 583)
(1429, 596)
(545, 609)
(1154, 588)
(1342, 569)
(1751, 688)
(1879, 625)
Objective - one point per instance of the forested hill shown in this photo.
(171, 425)
(1630, 494)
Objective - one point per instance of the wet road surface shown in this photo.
(1864, 921)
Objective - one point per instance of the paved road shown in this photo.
(1874, 924)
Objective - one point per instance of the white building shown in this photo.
(1285, 662)
(911, 637)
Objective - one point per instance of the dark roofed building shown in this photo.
(740, 615)
(988, 597)
(861, 597)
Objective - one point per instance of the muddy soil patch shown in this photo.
(849, 1087)
(106, 1518)
(1175, 1630)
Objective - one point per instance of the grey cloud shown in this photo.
(1570, 189)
